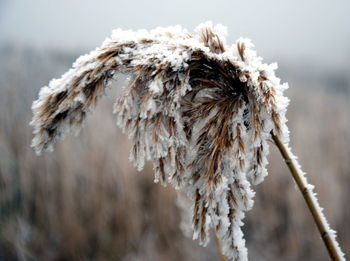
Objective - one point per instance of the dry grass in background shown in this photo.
(86, 202)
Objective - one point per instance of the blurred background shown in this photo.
(85, 201)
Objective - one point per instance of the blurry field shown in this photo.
(85, 201)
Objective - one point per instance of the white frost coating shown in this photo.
(200, 110)
(156, 86)
(331, 233)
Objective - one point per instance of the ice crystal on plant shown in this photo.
(200, 110)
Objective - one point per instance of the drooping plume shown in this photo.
(200, 110)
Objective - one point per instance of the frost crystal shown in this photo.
(200, 110)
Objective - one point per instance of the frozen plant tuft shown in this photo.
(200, 110)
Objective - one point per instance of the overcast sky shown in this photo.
(298, 30)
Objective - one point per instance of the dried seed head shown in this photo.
(200, 110)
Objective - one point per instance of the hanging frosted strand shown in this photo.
(201, 111)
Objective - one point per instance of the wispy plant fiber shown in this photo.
(200, 110)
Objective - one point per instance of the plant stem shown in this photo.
(326, 233)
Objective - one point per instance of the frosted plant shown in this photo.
(200, 110)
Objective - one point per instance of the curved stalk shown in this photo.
(327, 234)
